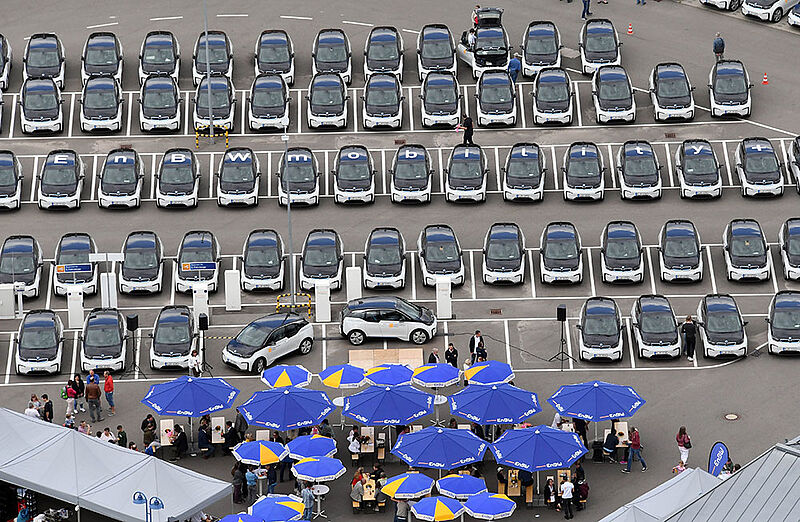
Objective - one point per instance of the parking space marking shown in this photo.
(350, 22)
(727, 162)
(533, 275)
(786, 163)
(441, 171)
(153, 177)
(630, 344)
(472, 273)
(412, 259)
(269, 175)
(650, 268)
(554, 168)
(10, 356)
(138, 354)
(773, 272)
(186, 105)
(410, 109)
(130, 114)
(299, 115)
(94, 191)
(98, 26)
(293, 17)
(383, 172)
(75, 336)
(521, 98)
(327, 175)
(34, 178)
(466, 101)
(324, 347)
(577, 97)
(612, 167)
(71, 114)
(233, 15)
(211, 176)
(669, 165)
(591, 270)
(13, 116)
(174, 283)
(711, 270)
(569, 344)
(508, 343)
(445, 334)
(497, 168)
(49, 284)
(164, 18)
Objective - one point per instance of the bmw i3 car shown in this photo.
(322, 260)
(722, 329)
(552, 97)
(441, 100)
(655, 330)
(671, 92)
(103, 341)
(504, 254)
(327, 101)
(142, 267)
(383, 102)
(599, 45)
(440, 255)
(266, 339)
(262, 261)
(639, 171)
(612, 93)
(496, 99)
(768, 10)
(621, 253)
(583, 172)
(101, 105)
(160, 53)
(298, 177)
(268, 103)
(6, 62)
(487, 46)
(40, 106)
(331, 54)
(238, 178)
(197, 246)
(794, 16)
(729, 89)
(159, 104)
(560, 254)
(541, 47)
(386, 317)
(783, 320)
(600, 330)
(794, 161)
(173, 338)
(727, 5)
(219, 105)
(216, 54)
(353, 175)
(746, 251)
(75, 248)
(383, 52)
(274, 55)
(466, 173)
(39, 343)
(411, 174)
(121, 179)
(680, 251)
(61, 180)
(789, 243)
(698, 170)
(385, 259)
(21, 262)
(436, 51)
(523, 172)
(177, 179)
(758, 167)
(44, 58)
(102, 56)
(10, 180)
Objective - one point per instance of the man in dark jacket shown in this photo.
(93, 399)
(451, 355)
(468, 129)
(689, 331)
(180, 442)
(719, 47)
(475, 342)
(240, 424)
(47, 409)
(231, 437)
(433, 358)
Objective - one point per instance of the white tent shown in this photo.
(96, 475)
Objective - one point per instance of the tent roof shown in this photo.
(31, 447)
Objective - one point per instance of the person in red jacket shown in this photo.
(108, 387)
(634, 450)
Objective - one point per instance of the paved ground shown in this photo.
(524, 333)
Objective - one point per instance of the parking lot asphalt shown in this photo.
(518, 322)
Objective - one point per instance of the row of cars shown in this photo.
(758, 166)
(767, 10)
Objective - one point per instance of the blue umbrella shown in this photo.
(276, 508)
(537, 448)
(436, 375)
(490, 506)
(489, 372)
(342, 376)
(311, 446)
(190, 396)
(439, 448)
(318, 469)
(494, 404)
(408, 485)
(437, 508)
(241, 517)
(460, 487)
(388, 405)
(596, 401)
(288, 408)
(389, 375)
(286, 375)
(259, 452)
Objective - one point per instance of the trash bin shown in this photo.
(597, 451)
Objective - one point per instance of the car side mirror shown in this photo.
(709, 86)
(745, 323)
(288, 98)
(750, 85)
(767, 320)
(307, 97)
(579, 326)
(692, 89)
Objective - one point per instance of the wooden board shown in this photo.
(365, 359)
(514, 487)
(369, 490)
(166, 427)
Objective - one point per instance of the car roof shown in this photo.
(80, 241)
(552, 75)
(40, 84)
(268, 81)
(437, 233)
(198, 239)
(654, 303)
(793, 226)
(218, 81)
(698, 147)
(560, 231)
(124, 155)
(299, 155)
(159, 38)
(331, 36)
(752, 146)
(583, 149)
(435, 32)
(637, 148)
(611, 73)
(18, 244)
(440, 78)
(353, 153)
(489, 32)
(679, 228)
(7, 158)
(274, 36)
(532, 151)
(745, 227)
(141, 239)
(541, 28)
(327, 80)
(321, 237)
(787, 299)
(384, 236)
(598, 26)
(383, 80)
(504, 231)
(495, 78)
(100, 83)
(235, 155)
(161, 82)
(383, 34)
(366, 303)
(263, 238)
(43, 41)
(273, 321)
(600, 306)
(734, 67)
(39, 319)
(720, 303)
(670, 70)
(103, 316)
(214, 38)
(174, 314)
(422, 152)
(70, 159)
(103, 39)
(178, 156)
(621, 230)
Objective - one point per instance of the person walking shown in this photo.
(47, 408)
(467, 127)
(474, 343)
(719, 47)
(108, 388)
(433, 358)
(689, 331)
(93, 399)
(240, 424)
(634, 450)
(72, 395)
(684, 444)
(195, 365)
(514, 66)
(80, 393)
(586, 14)
(308, 501)
(451, 355)
(148, 430)
(566, 489)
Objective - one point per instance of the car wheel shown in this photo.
(259, 366)
(305, 346)
(356, 337)
(777, 15)
(419, 337)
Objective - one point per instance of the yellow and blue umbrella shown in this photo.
(408, 485)
(311, 446)
(287, 408)
(277, 508)
(388, 405)
(538, 448)
(439, 448)
(259, 452)
(318, 469)
(489, 372)
(490, 506)
(436, 375)
(460, 487)
(494, 404)
(241, 517)
(342, 376)
(389, 375)
(284, 375)
(437, 508)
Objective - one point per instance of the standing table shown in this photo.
(319, 490)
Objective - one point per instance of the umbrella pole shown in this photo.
(341, 413)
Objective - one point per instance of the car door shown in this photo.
(370, 323)
(393, 324)
(276, 344)
(292, 339)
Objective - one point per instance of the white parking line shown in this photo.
(630, 344)
(93, 193)
(786, 163)
(508, 343)
(410, 109)
(568, 336)
(233, 15)
(383, 172)
(71, 114)
(138, 338)
(269, 175)
(591, 270)
(521, 99)
(350, 22)
(211, 176)
(533, 274)
(74, 353)
(711, 270)
(410, 31)
(299, 114)
(727, 162)
(49, 284)
(130, 114)
(650, 268)
(445, 334)
(164, 18)
(13, 118)
(186, 106)
(34, 178)
(497, 168)
(327, 175)
(243, 116)
(412, 262)
(153, 167)
(472, 272)
(324, 347)
(612, 167)
(10, 356)
(577, 103)
(173, 285)
(554, 168)
(441, 172)
(669, 166)
(292, 17)
(466, 102)
(98, 26)
(774, 273)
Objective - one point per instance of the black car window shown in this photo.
(13, 264)
(278, 334)
(392, 315)
(103, 335)
(38, 338)
(140, 259)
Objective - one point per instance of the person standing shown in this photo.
(514, 66)
(47, 408)
(93, 398)
(240, 424)
(433, 358)
(32, 412)
(634, 450)
(92, 377)
(251, 480)
(474, 343)
(401, 510)
(308, 501)
(80, 392)
(272, 478)
(719, 47)
(148, 430)
(581, 426)
(684, 444)
(71, 397)
(566, 497)
(195, 365)
(689, 331)
(586, 14)
(122, 437)
(451, 355)
(467, 127)
(108, 388)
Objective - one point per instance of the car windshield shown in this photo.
(723, 322)
(159, 99)
(552, 92)
(220, 98)
(273, 53)
(380, 97)
(196, 255)
(299, 173)
(384, 255)
(699, 165)
(583, 168)
(105, 335)
(793, 246)
(72, 257)
(172, 333)
(614, 90)
(158, 55)
(747, 246)
(331, 53)
(640, 166)
(600, 43)
(59, 176)
(561, 250)
(441, 252)
(382, 51)
(326, 96)
(177, 174)
(440, 95)
(411, 170)
(622, 248)
(541, 45)
(490, 42)
(657, 322)
(436, 49)
(786, 319)
(409, 309)
(45, 101)
(465, 170)
(119, 174)
(730, 84)
(673, 88)
(8, 176)
(503, 251)
(523, 168)
(218, 54)
(101, 56)
(13, 264)
(253, 335)
(43, 58)
(680, 247)
(353, 171)
(268, 98)
(600, 325)
(38, 338)
(235, 173)
(760, 163)
(140, 259)
(320, 256)
(262, 257)
(105, 99)
(496, 94)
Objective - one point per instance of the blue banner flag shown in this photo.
(717, 458)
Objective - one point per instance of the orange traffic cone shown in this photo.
(765, 81)
(630, 28)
